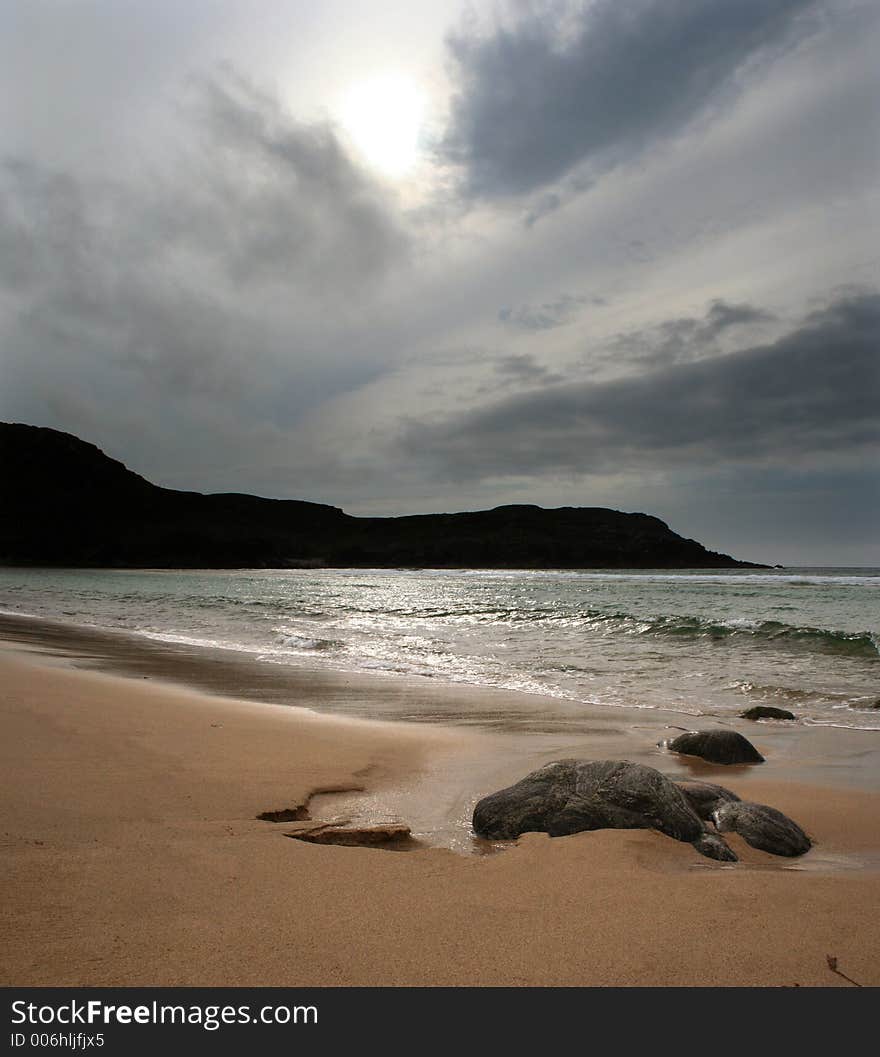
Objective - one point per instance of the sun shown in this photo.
(383, 118)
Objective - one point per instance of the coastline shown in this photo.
(134, 856)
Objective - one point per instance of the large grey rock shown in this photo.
(767, 712)
(571, 796)
(763, 827)
(704, 797)
(717, 746)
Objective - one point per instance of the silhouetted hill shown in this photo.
(64, 502)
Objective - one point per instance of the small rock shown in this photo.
(387, 833)
(717, 746)
(285, 814)
(767, 712)
(763, 827)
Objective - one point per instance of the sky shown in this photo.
(421, 255)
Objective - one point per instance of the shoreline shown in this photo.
(531, 725)
(134, 856)
(437, 799)
(631, 646)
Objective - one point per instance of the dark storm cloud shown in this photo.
(534, 101)
(814, 391)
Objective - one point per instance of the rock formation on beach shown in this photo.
(767, 712)
(572, 796)
(395, 836)
(761, 826)
(64, 502)
(717, 746)
(704, 797)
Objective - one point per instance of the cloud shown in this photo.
(683, 339)
(548, 315)
(524, 367)
(534, 101)
(812, 392)
(722, 315)
(249, 192)
(212, 278)
(276, 199)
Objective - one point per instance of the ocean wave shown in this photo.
(865, 703)
(175, 638)
(767, 692)
(840, 726)
(829, 640)
(304, 642)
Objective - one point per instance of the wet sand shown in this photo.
(133, 855)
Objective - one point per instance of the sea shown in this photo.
(693, 643)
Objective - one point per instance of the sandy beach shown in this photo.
(133, 856)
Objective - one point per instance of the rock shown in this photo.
(571, 796)
(386, 833)
(763, 827)
(767, 712)
(704, 797)
(717, 746)
(714, 846)
(285, 814)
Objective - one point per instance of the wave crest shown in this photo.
(828, 640)
(300, 643)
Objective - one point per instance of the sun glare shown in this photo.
(383, 118)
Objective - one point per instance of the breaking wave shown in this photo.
(773, 632)
(292, 641)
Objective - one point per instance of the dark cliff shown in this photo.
(63, 502)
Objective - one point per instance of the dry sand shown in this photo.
(132, 856)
